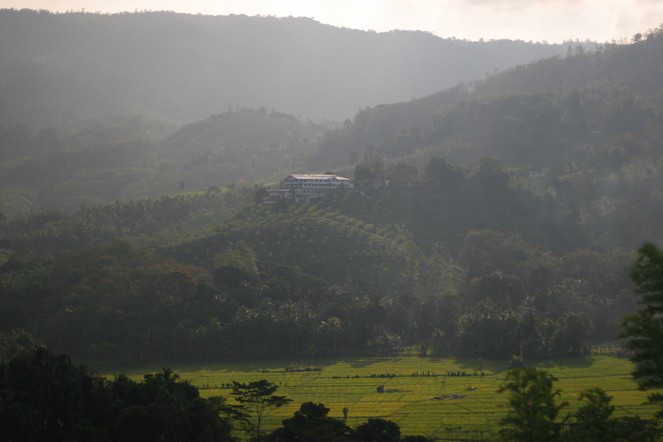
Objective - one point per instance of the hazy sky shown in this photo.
(537, 20)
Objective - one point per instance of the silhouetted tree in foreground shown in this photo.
(377, 430)
(44, 397)
(311, 423)
(643, 331)
(258, 398)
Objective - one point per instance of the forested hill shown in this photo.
(609, 82)
(483, 223)
(586, 130)
(525, 255)
(59, 69)
(122, 158)
(487, 267)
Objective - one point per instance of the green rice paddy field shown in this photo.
(420, 394)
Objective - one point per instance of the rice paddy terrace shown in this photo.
(446, 398)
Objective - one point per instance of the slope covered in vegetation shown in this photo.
(502, 226)
(133, 158)
(216, 276)
(579, 94)
(61, 70)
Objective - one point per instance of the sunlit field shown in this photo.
(442, 398)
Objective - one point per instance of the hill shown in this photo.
(585, 131)
(414, 129)
(482, 224)
(215, 275)
(63, 70)
(120, 159)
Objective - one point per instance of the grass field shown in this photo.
(420, 393)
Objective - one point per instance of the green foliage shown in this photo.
(630, 428)
(643, 331)
(125, 159)
(46, 397)
(512, 246)
(15, 343)
(445, 174)
(377, 430)
(311, 423)
(401, 174)
(258, 398)
(243, 279)
(533, 412)
(593, 421)
(237, 257)
(370, 173)
(108, 301)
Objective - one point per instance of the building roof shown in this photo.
(316, 176)
(312, 176)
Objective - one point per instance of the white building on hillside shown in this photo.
(303, 187)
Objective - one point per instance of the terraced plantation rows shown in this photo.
(443, 398)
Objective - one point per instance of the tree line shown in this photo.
(45, 397)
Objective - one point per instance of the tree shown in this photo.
(16, 342)
(491, 176)
(138, 423)
(572, 335)
(593, 422)
(377, 430)
(370, 173)
(45, 397)
(259, 194)
(533, 413)
(236, 264)
(332, 328)
(258, 397)
(643, 331)
(401, 174)
(311, 423)
(444, 173)
(630, 428)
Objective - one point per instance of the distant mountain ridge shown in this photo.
(418, 129)
(59, 69)
(597, 109)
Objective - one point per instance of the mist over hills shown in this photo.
(545, 115)
(606, 70)
(495, 218)
(61, 69)
(585, 130)
(132, 158)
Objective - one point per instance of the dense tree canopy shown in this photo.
(215, 275)
(643, 331)
(45, 397)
